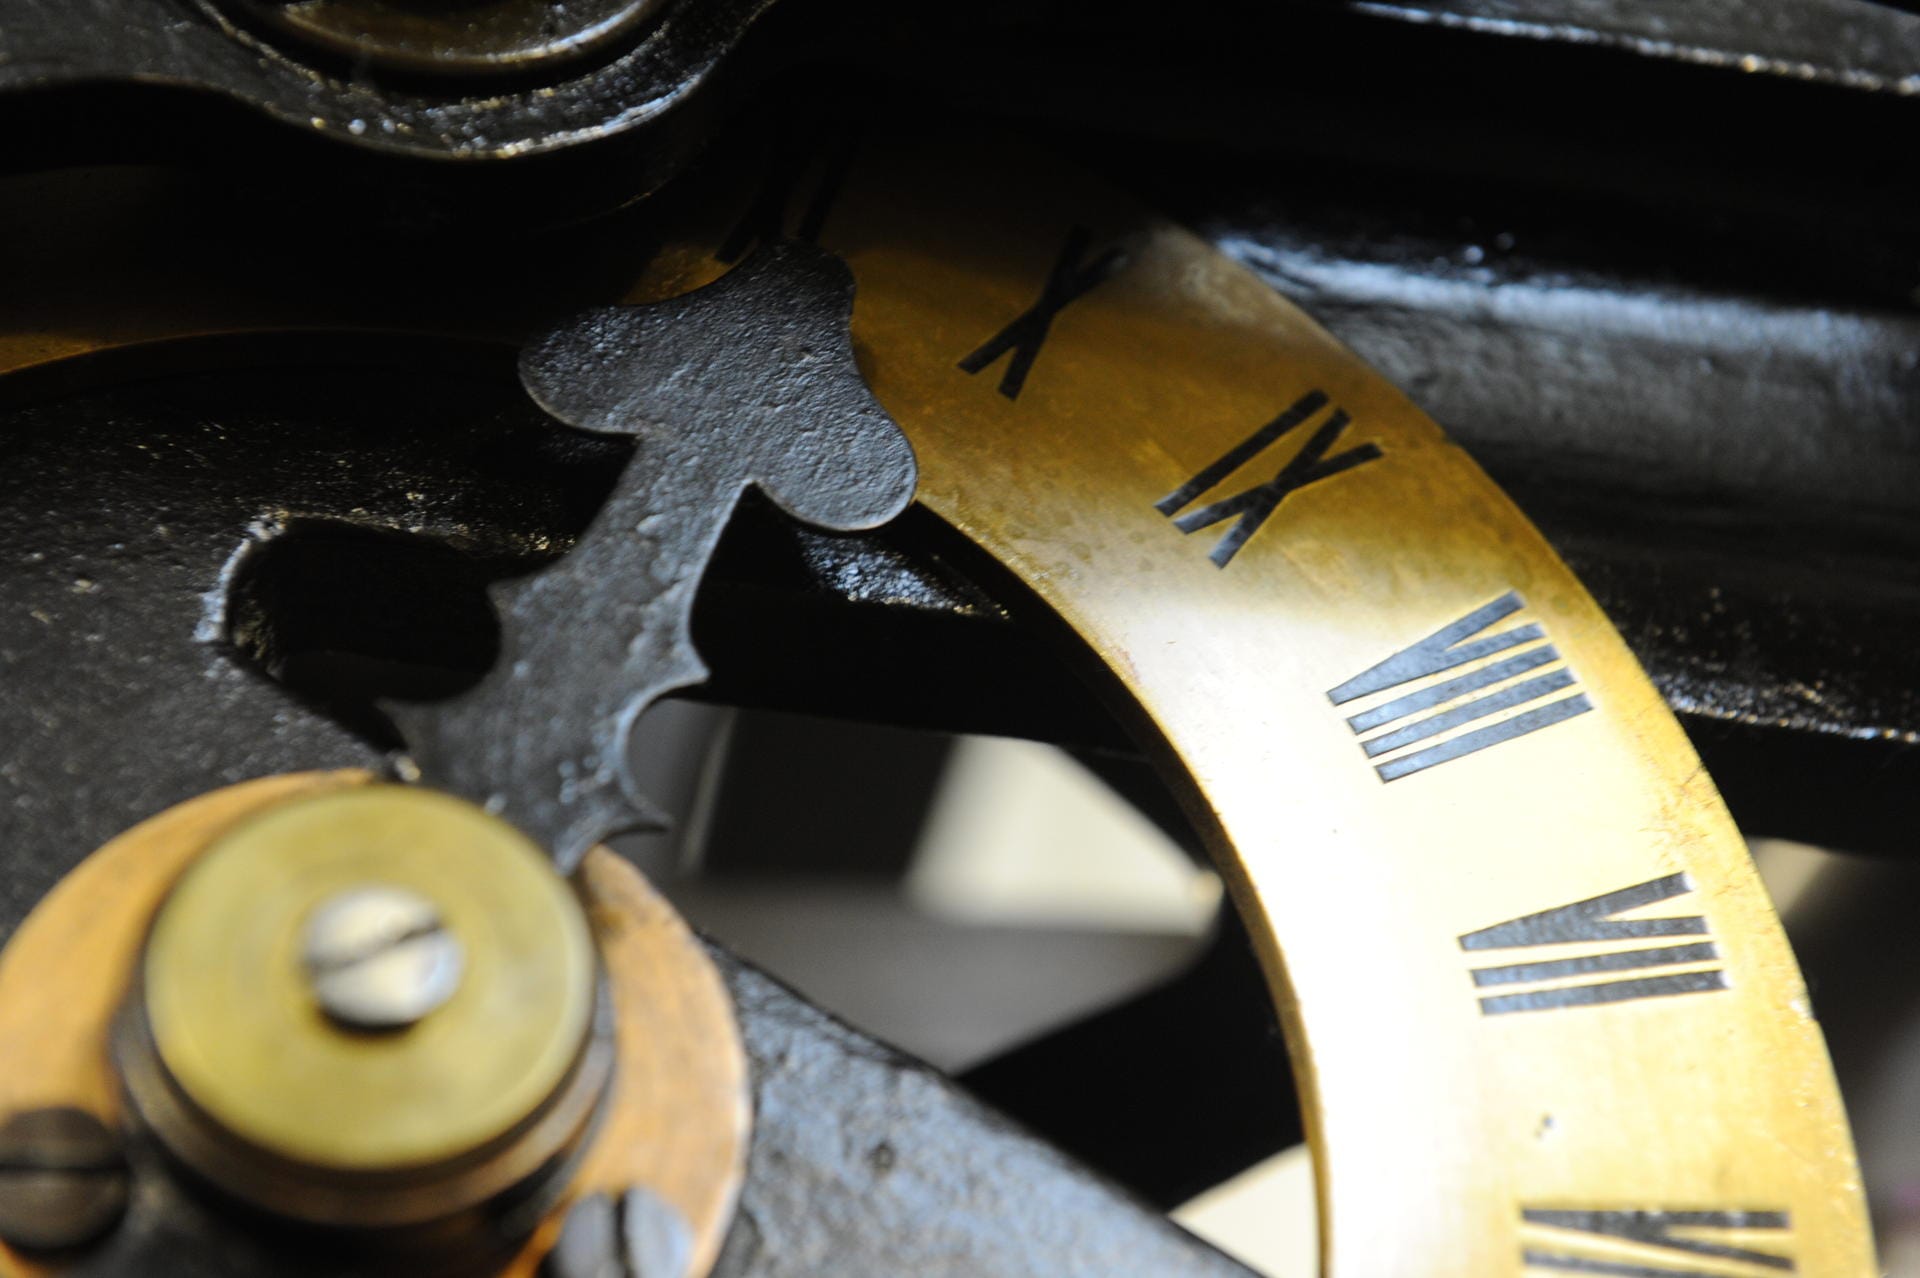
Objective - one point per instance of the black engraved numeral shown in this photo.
(1256, 505)
(1564, 982)
(1655, 1244)
(1071, 278)
(1439, 708)
(765, 219)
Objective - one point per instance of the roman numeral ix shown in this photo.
(1436, 709)
(1655, 1244)
(1071, 279)
(1588, 979)
(1256, 505)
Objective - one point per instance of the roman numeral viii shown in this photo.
(1589, 978)
(1311, 464)
(1432, 710)
(1656, 1244)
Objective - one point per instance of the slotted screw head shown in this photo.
(379, 957)
(63, 1179)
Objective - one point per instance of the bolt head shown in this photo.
(659, 1242)
(643, 1236)
(378, 958)
(63, 1179)
(589, 1243)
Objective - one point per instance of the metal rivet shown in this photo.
(659, 1243)
(379, 958)
(589, 1244)
(646, 1238)
(63, 1179)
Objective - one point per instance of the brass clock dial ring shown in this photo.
(1461, 826)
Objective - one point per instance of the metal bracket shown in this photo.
(750, 381)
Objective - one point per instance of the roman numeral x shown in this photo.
(1071, 279)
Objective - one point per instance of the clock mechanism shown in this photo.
(422, 418)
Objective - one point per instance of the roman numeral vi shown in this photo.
(1587, 979)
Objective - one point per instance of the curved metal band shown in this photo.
(1542, 1013)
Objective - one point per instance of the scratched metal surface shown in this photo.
(1858, 44)
(748, 383)
(912, 1177)
(199, 49)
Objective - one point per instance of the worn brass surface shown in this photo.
(677, 1116)
(681, 1116)
(1436, 1125)
(237, 1025)
(66, 971)
(444, 1203)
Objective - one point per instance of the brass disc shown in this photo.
(236, 1024)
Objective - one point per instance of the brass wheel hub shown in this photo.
(585, 1016)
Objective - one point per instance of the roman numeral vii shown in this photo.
(1592, 974)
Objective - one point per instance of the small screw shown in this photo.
(63, 1179)
(379, 958)
(650, 1239)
